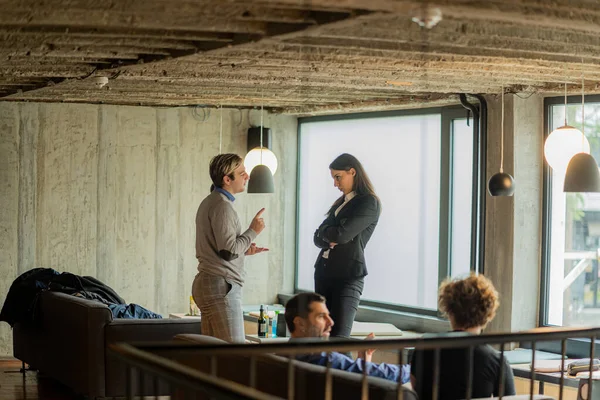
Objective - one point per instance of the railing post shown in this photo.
(365, 382)
(470, 374)
(291, 380)
(328, 378)
(590, 380)
(563, 351)
(141, 382)
(401, 362)
(436, 374)
(155, 386)
(213, 365)
(532, 370)
(253, 371)
(501, 377)
(129, 383)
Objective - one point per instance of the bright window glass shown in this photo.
(402, 156)
(462, 197)
(574, 234)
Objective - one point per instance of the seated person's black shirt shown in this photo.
(454, 370)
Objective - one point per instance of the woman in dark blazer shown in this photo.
(340, 267)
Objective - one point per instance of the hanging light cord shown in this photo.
(221, 130)
(565, 103)
(582, 113)
(502, 135)
(261, 132)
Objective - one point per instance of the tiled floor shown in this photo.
(16, 386)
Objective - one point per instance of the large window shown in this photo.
(421, 164)
(572, 230)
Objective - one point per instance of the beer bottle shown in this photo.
(262, 323)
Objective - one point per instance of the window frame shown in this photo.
(448, 114)
(577, 348)
(547, 204)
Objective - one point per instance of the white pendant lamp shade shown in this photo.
(562, 144)
(253, 158)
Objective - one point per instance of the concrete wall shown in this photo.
(112, 192)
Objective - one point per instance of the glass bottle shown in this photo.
(262, 323)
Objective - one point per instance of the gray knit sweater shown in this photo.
(220, 243)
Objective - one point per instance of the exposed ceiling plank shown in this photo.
(407, 102)
(56, 40)
(99, 19)
(581, 14)
(141, 9)
(197, 35)
(450, 48)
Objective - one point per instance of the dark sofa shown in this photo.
(69, 343)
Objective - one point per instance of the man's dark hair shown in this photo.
(299, 306)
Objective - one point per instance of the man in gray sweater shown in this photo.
(220, 249)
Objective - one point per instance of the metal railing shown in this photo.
(156, 361)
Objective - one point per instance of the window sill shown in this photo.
(402, 320)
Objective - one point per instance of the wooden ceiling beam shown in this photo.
(65, 71)
(197, 35)
(579, 15)
(54, 40)
(99, 19)
(554, 73)
(142, 10)
(400, 46)
(407, 102)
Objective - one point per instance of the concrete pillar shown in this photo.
(513, 224)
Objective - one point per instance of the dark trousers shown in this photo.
(342, 297)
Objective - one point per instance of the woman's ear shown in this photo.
(352, 172)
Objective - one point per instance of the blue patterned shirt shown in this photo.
(342, 362)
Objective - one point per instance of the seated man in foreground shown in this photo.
(470, 305)
(307, 316)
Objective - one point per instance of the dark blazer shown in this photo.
(351, 229)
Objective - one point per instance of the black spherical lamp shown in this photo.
(501, 183)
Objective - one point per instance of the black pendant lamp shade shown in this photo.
(582, 174)
(501, 184)
(261, 180)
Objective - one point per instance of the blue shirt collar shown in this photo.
(226, 193)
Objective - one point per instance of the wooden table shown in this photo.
(183, 315)
(255, 339)
(524, 371)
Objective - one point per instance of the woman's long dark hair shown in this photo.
(362, 184)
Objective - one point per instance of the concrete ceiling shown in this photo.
(302, 57)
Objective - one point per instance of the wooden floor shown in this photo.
(16, 386)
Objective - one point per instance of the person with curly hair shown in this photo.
(470, 304)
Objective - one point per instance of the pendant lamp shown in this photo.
(501, 183)
(582, 172)
(563, 143)
(258, 154)
(261, 177)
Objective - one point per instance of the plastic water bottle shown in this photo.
(274, 325)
